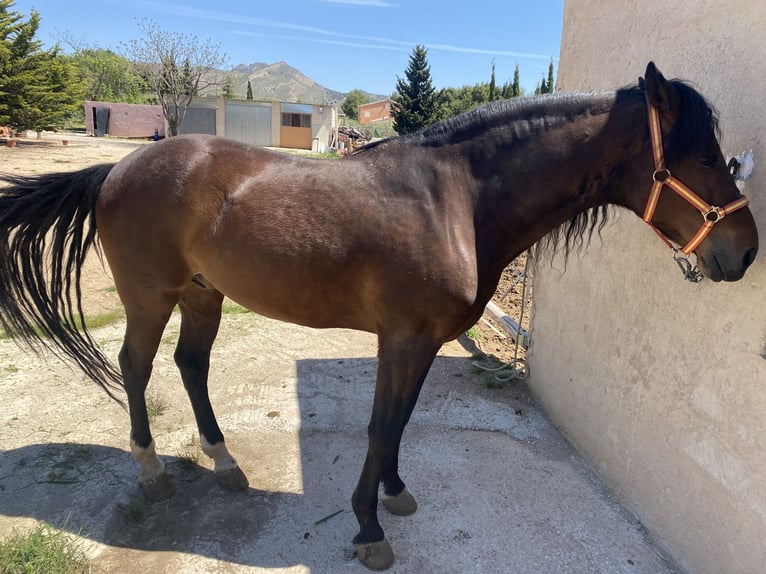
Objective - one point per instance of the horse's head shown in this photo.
(694, 201)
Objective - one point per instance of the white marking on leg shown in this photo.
(220, 454)
(151, 465)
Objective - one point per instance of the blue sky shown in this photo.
(342, 44)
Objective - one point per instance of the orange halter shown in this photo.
(661, 178)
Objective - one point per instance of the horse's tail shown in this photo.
(47, 226)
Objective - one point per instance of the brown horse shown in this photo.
(406, 239)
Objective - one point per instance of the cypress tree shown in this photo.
(492, 85)
(551, 85)
(249, 91)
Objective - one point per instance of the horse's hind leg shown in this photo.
(142, 338)
(200, 317)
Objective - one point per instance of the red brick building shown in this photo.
(375, 111)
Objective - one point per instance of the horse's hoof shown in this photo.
(158, 488)
(403, 504)
(232, 479)
(375, 555)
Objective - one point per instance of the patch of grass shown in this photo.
(312, 154)
(111, 289)
(156, 406)
(42, 551)
(473, 333)
(11, 369)
(492, 383)
(104, 319)
(190, 453)
(91, 322)
(230, 308)
(132, 512)
(170, 339)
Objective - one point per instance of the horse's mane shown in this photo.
(690, 133)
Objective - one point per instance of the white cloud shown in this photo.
(337, 38)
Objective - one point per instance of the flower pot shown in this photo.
(65, 142)
(10, 143)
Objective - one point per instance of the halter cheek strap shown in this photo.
(662, 178)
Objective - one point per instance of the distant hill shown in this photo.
(283, 83)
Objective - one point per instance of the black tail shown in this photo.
(47, 226)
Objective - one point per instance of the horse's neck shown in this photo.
(545, 180)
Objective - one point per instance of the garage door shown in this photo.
(248, 123)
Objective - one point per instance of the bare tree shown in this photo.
(176, 66)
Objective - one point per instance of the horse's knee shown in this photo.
(135, 374)
(191, 360)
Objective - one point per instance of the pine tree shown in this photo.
(38, 89)
(249, 91)
(415, 104)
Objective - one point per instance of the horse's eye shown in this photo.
(710, 160)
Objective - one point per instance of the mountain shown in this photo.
(280, 82)
(283, 83)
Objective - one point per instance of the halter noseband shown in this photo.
(661, 178)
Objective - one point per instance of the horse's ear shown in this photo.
(661, 93)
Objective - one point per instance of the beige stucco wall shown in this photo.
(662, 383)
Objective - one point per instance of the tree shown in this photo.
(351, 103)
(108, 77)
(249, 91)
(415, 104)
(39, 89)
(228, 90)
(546, 86)
(551, 83)
(516, 87)
(492, 85)
(176, 66)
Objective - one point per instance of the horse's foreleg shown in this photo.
(200, 318)
(142, 338)
(402, 368)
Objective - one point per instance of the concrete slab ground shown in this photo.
(498, 489)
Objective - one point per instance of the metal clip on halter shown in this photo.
(690, 273)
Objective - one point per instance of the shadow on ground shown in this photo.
(497, 488)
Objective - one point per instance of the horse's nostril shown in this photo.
(750, 256)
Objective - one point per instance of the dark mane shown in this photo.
(698, 120)
(520, 113)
